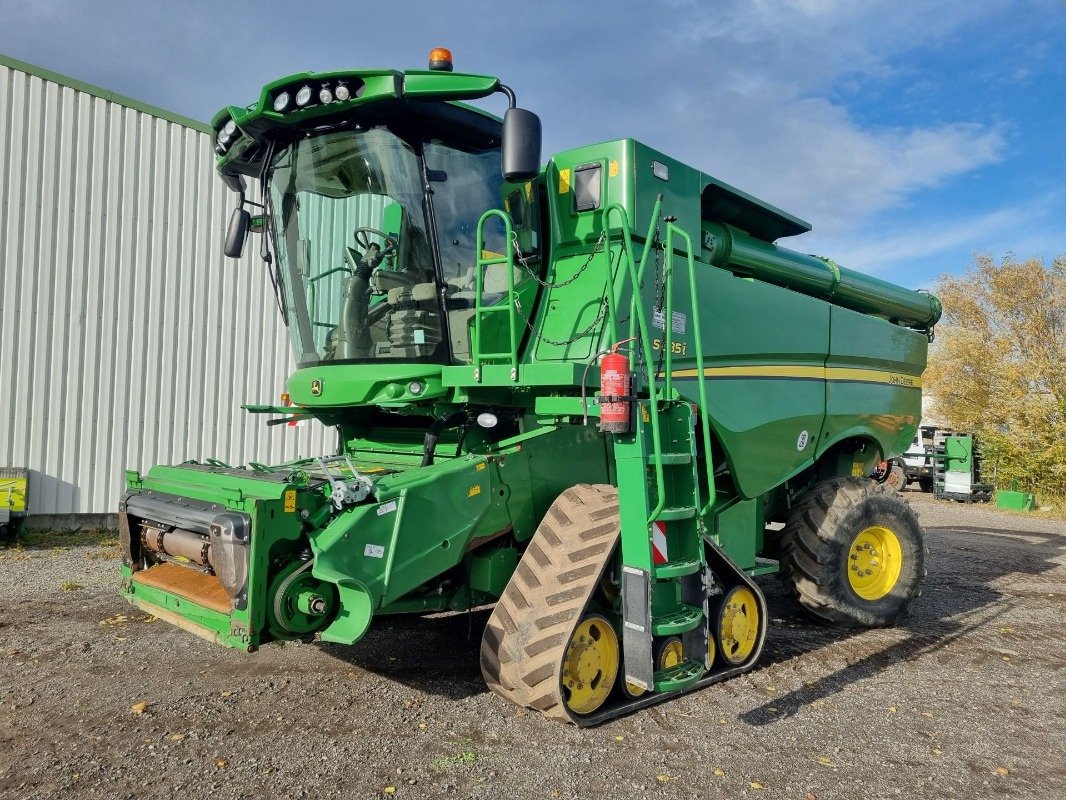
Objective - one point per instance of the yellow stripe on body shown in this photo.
(795, 372)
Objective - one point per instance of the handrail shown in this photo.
(638, 320)
(638, 324)
(671, 231)
(479, 357)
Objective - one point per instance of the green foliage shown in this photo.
(997, 367)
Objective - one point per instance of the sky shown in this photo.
(910, 133)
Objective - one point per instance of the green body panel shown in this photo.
(763, 371)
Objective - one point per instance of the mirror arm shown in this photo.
(507, 90)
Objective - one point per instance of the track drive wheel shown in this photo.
(853, 553)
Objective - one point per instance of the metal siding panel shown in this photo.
(128, 338)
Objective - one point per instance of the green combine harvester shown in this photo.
(584, 391)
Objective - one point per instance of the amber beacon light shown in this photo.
(440, 58)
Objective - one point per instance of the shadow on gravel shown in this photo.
(438, 654)
(958, 600)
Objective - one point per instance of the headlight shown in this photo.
(325, 95)
(342, 92)
(281, 102)
(230, 128)
(303, 97)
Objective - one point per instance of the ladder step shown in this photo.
(671, 459)
(488, 262)
(677, 569)
(679, 676)
(681, 621)
(678, 512)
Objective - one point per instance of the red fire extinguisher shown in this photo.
(615, 384)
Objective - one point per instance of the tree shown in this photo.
(998, 367)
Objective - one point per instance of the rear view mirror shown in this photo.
(239, 221)
(235, 182)
(521, 145)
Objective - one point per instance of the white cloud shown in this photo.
(756, 93)
(1027, 230)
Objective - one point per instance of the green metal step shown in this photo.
(683, 620)
(678, 677)
(671, 459)
(764, 566)
(678, 512)
(677, 569)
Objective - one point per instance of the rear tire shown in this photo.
(853, 553)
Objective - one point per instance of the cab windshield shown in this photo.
(364, 276)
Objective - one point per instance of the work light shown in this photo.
(281, 102)
(303, 97)
(325, 95)
(342, 91)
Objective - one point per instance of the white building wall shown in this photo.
(126, 337)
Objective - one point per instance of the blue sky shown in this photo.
(910, 133)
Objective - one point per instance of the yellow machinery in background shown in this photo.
(13, 482)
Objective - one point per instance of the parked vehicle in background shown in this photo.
(918, 464)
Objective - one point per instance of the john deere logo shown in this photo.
(316, 387)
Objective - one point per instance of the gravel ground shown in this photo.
(963, 700)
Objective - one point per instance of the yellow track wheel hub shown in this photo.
(671, 654)
(590, 664)
(738, 625)
(874, 562)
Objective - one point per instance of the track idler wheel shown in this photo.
(590, 665)
(738, 624)
(668, 653)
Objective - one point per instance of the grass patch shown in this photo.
(62, 538)
(466, 757)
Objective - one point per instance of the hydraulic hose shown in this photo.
(436, 428)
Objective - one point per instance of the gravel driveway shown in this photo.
(965, 699)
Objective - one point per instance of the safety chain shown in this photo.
(591, 327)
(659, 294)
(522, 259)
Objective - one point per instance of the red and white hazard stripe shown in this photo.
(658, 542)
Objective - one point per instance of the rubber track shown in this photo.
(526, 636)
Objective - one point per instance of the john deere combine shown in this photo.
(583, 391)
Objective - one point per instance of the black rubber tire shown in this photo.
(926, 484)
(896, 480)
(816, 540)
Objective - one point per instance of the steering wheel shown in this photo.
(362, 238)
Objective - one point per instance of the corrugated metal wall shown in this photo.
(126, 338)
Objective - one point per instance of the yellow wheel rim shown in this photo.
(738, 627)
(590, 665)
(711, 652)
(874, 562)
(670, 655)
